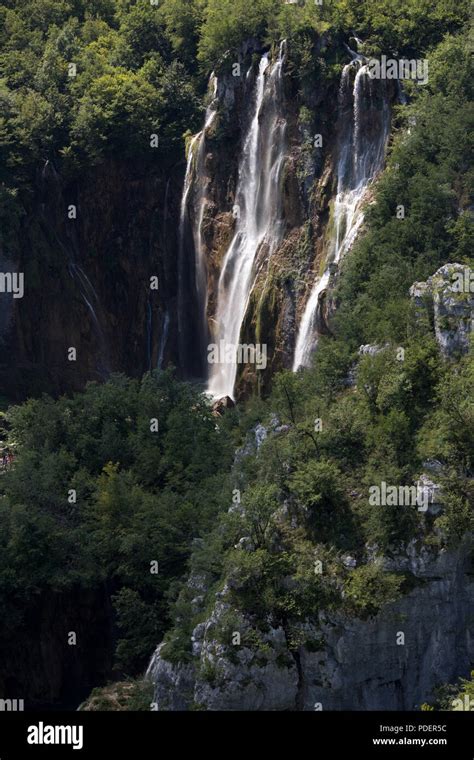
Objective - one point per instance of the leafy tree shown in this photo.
(227, 23)
(319, 490)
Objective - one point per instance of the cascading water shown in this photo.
(163, 341)
(362, 143)
(200, 205)
(181, 253)
(195, 196)
(258, 217)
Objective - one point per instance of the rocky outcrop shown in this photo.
(220, 406)
(391, 661)
(448, 297)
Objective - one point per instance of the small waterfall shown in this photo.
(149, 330)
(200, 201)
(90, 297)
(87, 291)
(163, 341)
(258, 216)
(362, 141)
(188, 177)
(194, 199)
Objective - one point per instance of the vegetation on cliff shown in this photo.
(455, 697)
(96, 496)
(356, 420)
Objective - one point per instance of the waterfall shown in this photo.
(200, 204)
(194, 198)
(188, 177)
(361, 150)
(87, 291)
(90, 297)
(163, 341)
(258, 217)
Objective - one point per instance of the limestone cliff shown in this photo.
(447, 298)
(346, 663)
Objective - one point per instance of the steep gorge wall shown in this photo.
(48, 671)
(87, 279)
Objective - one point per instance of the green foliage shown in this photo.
(318, 487)
(368, 588)
(137, 640)
(227, 23)
(183, 20)
(260, 505)
(405, 28)
(133, 695)
(385, 25)
(141, 497)
(116, 105)
(127, 84)
(458, 697)
(448, 432)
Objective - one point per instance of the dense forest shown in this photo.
(123, 492)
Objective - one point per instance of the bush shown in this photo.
(368, 588)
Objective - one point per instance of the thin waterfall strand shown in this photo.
(195, 195)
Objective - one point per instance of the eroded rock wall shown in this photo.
(348, 663)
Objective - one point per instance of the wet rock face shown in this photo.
(392, 661)
(283, 275)
(87, 279)
(449, 296)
